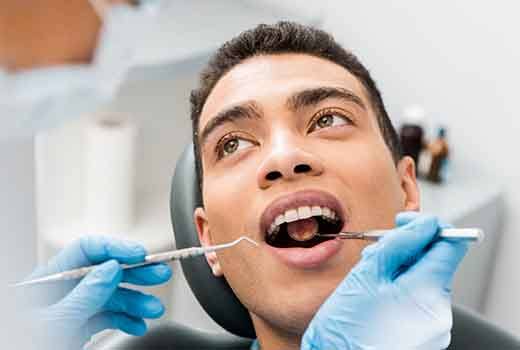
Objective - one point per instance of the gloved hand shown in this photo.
(397, 297)
(70, 312)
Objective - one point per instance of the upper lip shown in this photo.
(299, 199)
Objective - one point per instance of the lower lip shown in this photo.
(307, 258)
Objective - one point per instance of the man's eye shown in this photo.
(232, 145)
(330, 120)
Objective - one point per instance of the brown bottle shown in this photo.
(411, 133)
(439, 155)
(411, 136)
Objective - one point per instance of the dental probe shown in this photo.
(468, 234)
(149, 259)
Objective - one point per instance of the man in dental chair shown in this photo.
(291, 138)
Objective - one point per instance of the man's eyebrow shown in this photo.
(313, 96)
(246, 110)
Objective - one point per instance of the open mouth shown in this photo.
(296, 220)
(302, 232)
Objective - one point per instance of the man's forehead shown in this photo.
(269, 78)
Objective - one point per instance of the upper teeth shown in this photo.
(300, 213)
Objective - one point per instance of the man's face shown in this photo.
(294, 131)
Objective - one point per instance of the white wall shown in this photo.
(17, 228)
(460, 60)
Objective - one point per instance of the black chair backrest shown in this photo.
(174, 336)
(469, 331)
(472, 331)
(213, 294)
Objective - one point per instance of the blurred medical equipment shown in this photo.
(148, 260)
(40, 98)
(431, 154)
(466, 234)
(439, 151)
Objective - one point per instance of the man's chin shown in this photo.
(293, 323)
(291, 316)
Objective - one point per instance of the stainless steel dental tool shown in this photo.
(468, 234)
(149, 259)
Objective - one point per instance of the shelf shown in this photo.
(460, 196)
(470, 199)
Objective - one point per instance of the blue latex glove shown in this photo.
(69, 313)
(397, 297)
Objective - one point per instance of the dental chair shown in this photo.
(470, 331)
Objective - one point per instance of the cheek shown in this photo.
(245, 274)
(224, 196)
(370, 175)
(231, 177)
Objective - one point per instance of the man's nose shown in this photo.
(288, 164)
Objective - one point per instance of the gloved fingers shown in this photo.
(99, 248)
(94, 290)
(113, 320)
(148, 275)
(134, 303)
(437, 266)
(403, 245)
(405, 217)
(401, 219)
(92, 250)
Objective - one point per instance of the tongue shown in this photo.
(302, 230)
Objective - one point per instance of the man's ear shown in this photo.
(203, 230)
(409, 186)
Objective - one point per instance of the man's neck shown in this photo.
(271, 338)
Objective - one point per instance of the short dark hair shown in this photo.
(285, 37)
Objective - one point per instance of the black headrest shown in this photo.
(213, 294)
